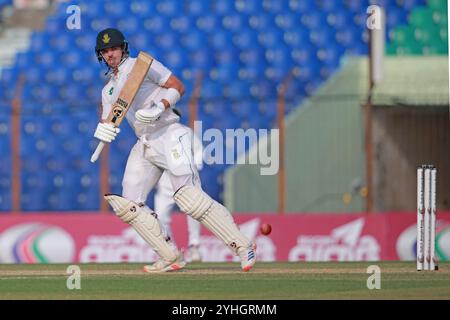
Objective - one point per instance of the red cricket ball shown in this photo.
(266, 229)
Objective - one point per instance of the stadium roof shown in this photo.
(413, 81)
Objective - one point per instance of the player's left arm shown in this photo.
(174, 93)
(162, 76)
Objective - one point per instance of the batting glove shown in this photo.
(152, 114)
(106, 132)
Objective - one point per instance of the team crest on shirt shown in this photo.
(106, 38)
(175, 154)
(111, 91)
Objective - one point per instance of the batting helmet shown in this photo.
(109, 38)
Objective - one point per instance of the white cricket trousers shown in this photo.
(168, 149)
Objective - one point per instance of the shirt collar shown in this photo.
(121, 68)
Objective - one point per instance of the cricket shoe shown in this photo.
(193, 254)
(248, 257)
(166, 266)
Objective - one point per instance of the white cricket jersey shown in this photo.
(150, 91)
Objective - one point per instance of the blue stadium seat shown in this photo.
(33, 201)
(246, 39)
(234, 22)
(249, 6)
(5, 200)
(128, 25)
(288, 21)
(183, 24)
(320, 37)
(347, 37)
(54, 24)
(35, 127)
(166, 40)
(296, 38)
(410, 4)
(314, 20)
(263, 89)
(267, 108)
(200, 59)
(395, 16)
(142, 8)
(216, 108)
(224, 73)
(197, 7)
(46, 59)
(57, 76)
(39, 42)
(72, 93)
(305, 54)
(331, 54)
(175, 59)
(270, 38)
(222, 123)
(208, 23)
(100, 23)
(62, 126)
(252, 72)
(8, 76)
(329, 5)
(58, 163)
(220, 40)
(91, 9)
(222, 8)
(156, 24)
(194, 40)
(84, 74)
(88, 199)
(262, 22)
(116, 9)
(61, 200)
(226, 57)
(23, 60)
(169, 8)
(244, 108)
(85, 40)
(5, 161)
(279, 56)
(275, 6)
(340, 19)
(60, 42)
(71, 59)
(237, 90)
(302, 6)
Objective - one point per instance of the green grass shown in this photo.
(224, 281)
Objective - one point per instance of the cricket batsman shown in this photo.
(163, 145)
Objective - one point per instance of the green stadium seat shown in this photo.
(402, 35)
(435, 49)
(427, 35)
(421, 17)
(439, 5)
(409, 49)
(440, 18)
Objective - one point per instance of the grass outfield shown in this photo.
(224, 281)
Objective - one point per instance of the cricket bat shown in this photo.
(126, 96)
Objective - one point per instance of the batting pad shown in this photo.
(145, 224)
(214, 216)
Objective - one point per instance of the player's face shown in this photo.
(112, 56)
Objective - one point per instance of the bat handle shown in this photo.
(97, 151)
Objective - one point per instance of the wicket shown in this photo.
(426, 217)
